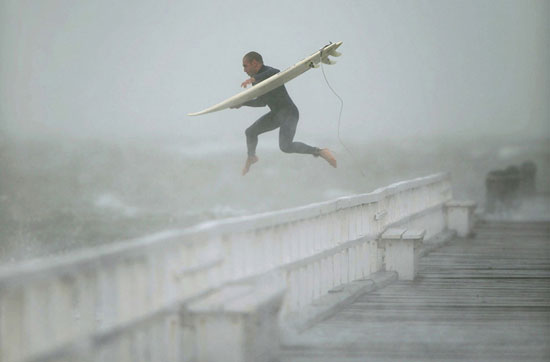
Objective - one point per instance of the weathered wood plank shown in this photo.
(483, 299)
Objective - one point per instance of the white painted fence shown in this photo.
(127, 301)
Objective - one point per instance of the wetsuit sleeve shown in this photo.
(256, 102)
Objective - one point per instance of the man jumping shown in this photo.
(283, 115)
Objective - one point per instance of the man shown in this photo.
(283, 115)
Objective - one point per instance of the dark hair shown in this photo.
(250, 56)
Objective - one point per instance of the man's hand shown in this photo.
(236, 107)
(247, 82)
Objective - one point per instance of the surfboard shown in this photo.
(278, 79)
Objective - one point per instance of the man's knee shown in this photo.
(285, 146)
(249, 132)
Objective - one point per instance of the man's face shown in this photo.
(251, 67)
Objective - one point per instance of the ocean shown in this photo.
(60, 195)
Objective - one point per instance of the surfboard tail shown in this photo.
(330, 50)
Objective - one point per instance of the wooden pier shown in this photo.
(485, 298)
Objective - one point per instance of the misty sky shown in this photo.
(409, 68)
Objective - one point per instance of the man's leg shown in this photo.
(289, 122)
(288, 118)
(264, 124)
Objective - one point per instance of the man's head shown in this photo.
(252, 62)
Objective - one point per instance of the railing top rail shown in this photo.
(272, 218)
(83, 259)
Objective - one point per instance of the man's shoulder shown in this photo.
(265, 72)
(270, 69)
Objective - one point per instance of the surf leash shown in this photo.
(355, 161)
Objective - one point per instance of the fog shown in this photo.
(409, 67)
(96, 145)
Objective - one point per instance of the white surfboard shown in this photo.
(277, 80)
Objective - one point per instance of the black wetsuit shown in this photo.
(283, 114)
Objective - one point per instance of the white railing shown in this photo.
(124, 300)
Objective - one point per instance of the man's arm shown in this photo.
(260, 77)
(256, 102)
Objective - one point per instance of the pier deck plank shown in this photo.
(486, 298)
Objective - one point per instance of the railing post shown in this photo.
(460, 217)
(401, 251)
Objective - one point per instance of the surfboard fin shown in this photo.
(334, 53)
(328, 61)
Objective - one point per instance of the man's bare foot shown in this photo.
(327, 155)
(249, 162)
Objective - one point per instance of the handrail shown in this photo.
(31, 269)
